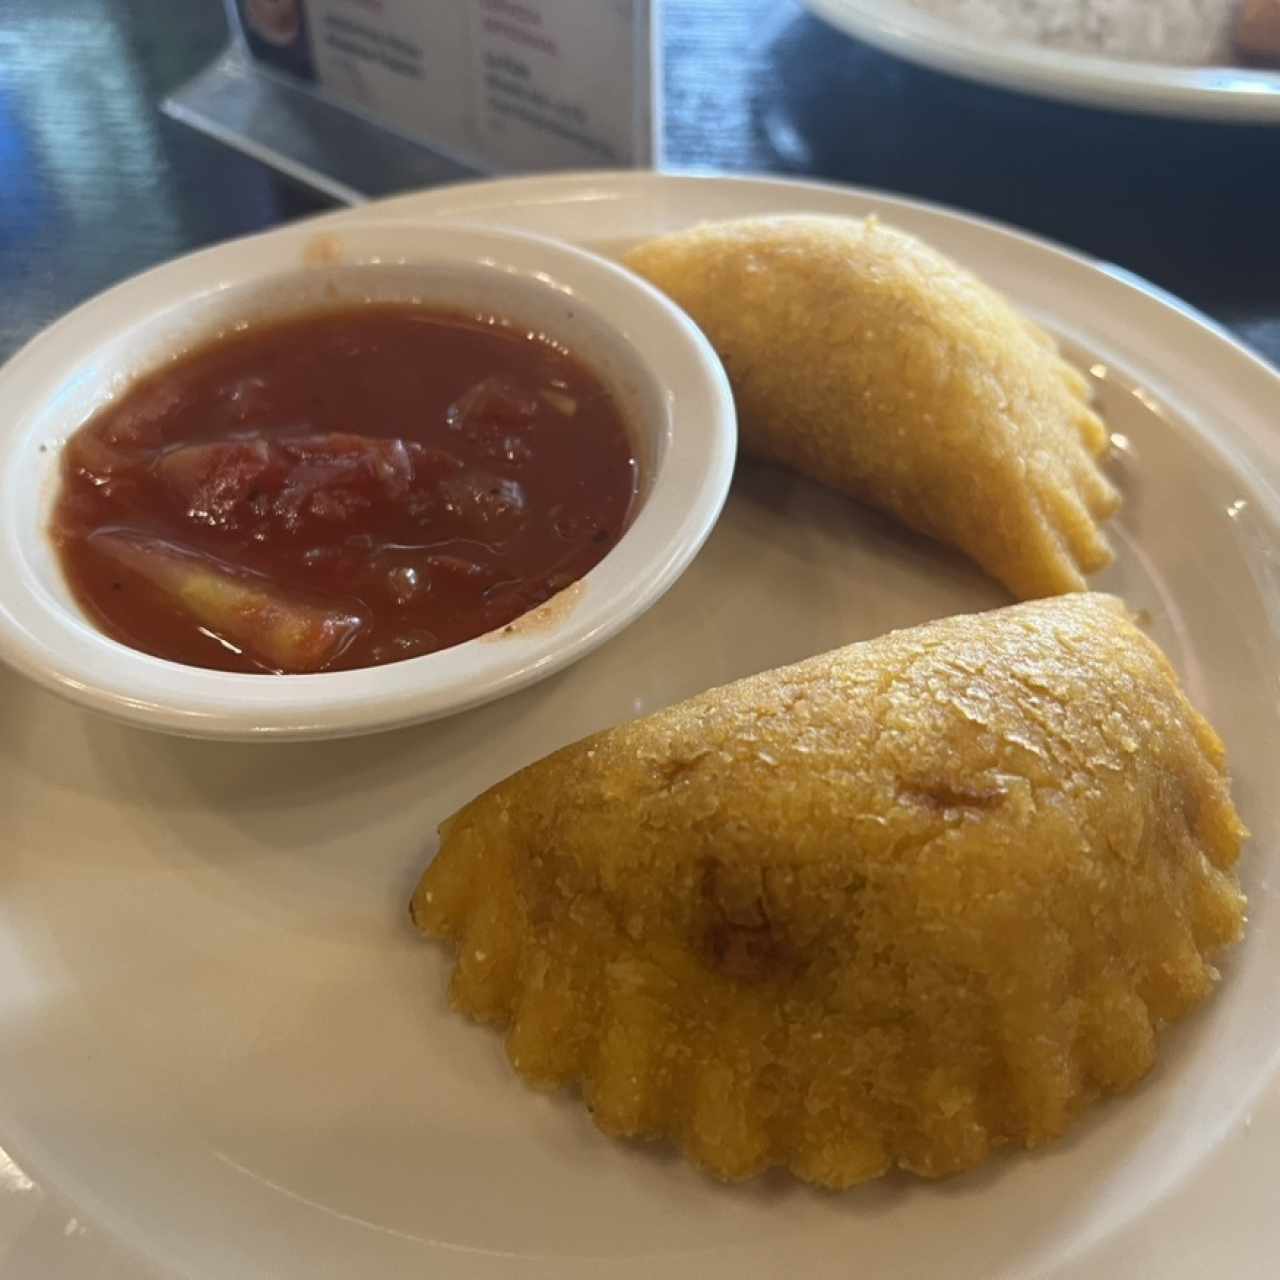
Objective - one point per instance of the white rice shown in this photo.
(1181, 31)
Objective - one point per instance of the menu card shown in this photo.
(497, 85)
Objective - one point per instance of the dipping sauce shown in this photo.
(342, 489)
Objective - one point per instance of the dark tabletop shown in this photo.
(95, 184)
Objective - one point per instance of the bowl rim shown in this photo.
(43, 640)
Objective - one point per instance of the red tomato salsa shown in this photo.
(342, 489)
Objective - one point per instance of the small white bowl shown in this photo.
(671, 387)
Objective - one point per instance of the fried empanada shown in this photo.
(896, 905)
(868, 361)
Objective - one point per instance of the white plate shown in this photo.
(1208, 93)
(225, 1053)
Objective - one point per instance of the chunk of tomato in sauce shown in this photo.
(332, 478)
(215, 484)
(496, 418)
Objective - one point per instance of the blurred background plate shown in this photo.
(1206, 93)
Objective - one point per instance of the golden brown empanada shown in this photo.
(868, 361)
(896, 905)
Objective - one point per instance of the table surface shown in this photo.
(97, 184)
